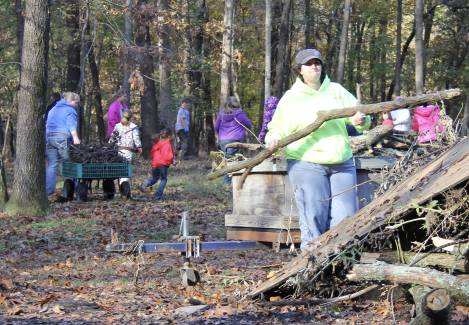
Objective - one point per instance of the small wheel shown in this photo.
(109, 189)
(124, 189)
(68, 189)
(82, 191)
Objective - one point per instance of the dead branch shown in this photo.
(457, 288)
(312, 302)
(323, 116)
(365, 141)
(432, 306)
(248, 146)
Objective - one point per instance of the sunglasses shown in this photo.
(312, 62)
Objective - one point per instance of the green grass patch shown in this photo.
(162, 235)
(74, 225)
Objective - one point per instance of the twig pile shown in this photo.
(95, 153)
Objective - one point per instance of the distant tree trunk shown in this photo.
(226, 57)
(282, 49)
(268, 48)
(465, 120)
(148, 104)
(398, 67)
(343, 42)
(28, 196)
(72, 22)
(84, 110)
(404, 52)
(126, 49)
(419, 58)
(372, 62)
(427, 25)
(358, 50)
(187, 50)
(96, 93)
(308, 23)
(19, 26)
(167, 117)
(382, 80)
(203, 126)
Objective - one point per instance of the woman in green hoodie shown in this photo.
(320, 165)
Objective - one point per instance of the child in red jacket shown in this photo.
(162, 156)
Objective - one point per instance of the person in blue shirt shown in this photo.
(183, 122)
(61, 131)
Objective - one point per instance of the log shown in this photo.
(248, 146)
(365, 141)
(456, 287)
(323, 116)
(432, 306)
(441, 260)
(441, 174)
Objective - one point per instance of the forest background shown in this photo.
(161, 51)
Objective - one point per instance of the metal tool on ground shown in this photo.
(188, 246)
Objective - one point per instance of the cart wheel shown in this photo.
(82, 191)
(68, 189)
(124, 189)
(109, 189)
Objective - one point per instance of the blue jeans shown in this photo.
(57, 151)
(228, 152)
(159, 173)
(325, 195)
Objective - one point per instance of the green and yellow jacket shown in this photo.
(329, 144)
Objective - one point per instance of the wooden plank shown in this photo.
(440, 175)
(271, 236)
(257, 221)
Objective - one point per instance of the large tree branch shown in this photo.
(324, 116)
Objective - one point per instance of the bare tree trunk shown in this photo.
(465, 120)
(382, 59)
(19, 26)
(343, 42)
(126, 49)
(148, 104)
(226, 57)
(84, 109)
(419, 59)
(96, 92)
(308, 23)
(165, 52)
(28, 196)
(268, 48)
(72, 22)
(398, 67)
(282, 49)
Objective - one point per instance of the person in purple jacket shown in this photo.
(230, 126)
(114, 113)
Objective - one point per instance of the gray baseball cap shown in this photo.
(307, 54)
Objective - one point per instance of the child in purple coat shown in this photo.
(230, 126)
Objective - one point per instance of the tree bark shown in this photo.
(308, 23)
(148, 104)
(72, 22)
(165, 51)
(457, 288)
(268, 49)
(343, 42)
(419, 55)
(126, 48)
(28, 196)
(323, 116)
(96, 93)
(465, 120)
(365, 141)
(398, 67)
(281, 50)
(19, 26)
(226, 55)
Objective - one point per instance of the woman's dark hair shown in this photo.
(165, 132)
